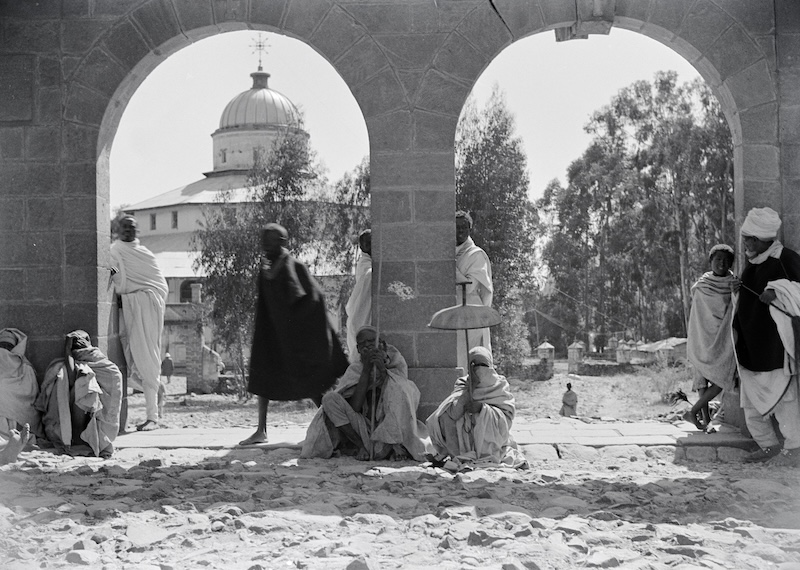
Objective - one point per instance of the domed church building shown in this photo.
(249, 125)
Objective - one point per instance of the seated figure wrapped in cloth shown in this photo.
(375, 388)
(80, 399)
(472, 425)
(18, 385)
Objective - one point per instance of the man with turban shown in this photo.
(766, 332)
(473, 424)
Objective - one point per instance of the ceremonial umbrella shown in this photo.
(465, 317)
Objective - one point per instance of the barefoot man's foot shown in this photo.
(257, 437)
(15, 444)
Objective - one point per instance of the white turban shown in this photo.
(761, 223)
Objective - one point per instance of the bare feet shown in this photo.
(362, 455)
(17, 442)
(690, 416)
(257, 437)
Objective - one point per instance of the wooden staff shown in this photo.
(377, 313)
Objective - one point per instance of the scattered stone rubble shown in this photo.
(629, 507)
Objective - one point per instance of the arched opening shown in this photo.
(192, 132)
(564, 84)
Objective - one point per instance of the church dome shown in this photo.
(259, 107)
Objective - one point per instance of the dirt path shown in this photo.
(248, 509)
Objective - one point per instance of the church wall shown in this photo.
(68, 69)
(234, 149)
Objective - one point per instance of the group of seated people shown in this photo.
(74, 409)
(371, 413)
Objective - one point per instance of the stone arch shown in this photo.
(102, 82)
(70, 69)
(730, 48)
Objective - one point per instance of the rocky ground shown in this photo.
(254, 508)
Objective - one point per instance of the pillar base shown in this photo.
(434, 384)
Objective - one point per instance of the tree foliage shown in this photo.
(642, 206)
(278, 190)
(492, 184)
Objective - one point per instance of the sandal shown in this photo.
(435, 460)
(149, 425)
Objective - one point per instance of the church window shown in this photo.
(152, 221)
(175, 219)
(186, 290)
(224, 154)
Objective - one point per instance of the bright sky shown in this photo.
(164, 137)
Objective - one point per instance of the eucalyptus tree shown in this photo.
(492, 184)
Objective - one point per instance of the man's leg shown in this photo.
(260, 435)
(760, 427)
(450, 434)
(350, 424)
(150, 387)
(701, 406)
(788, 415)
(162, 399)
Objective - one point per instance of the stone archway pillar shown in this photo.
(413, 244)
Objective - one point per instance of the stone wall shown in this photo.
(69, 67)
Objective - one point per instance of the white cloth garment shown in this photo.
(143, 290)
(709, 344)
(18, 385)
(761, 223)
(472, 264)
(359, 305)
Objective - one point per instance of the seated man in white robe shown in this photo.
(371, 411)
(473, 423)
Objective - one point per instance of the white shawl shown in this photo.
(472, 264)
(144, 293)
(18, 385)
(709, 344)
(762, 390)
(359, 305)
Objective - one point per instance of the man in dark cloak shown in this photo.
(765, 339)
(296, 353)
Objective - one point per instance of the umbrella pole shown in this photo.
(470, 417)
(377, 313)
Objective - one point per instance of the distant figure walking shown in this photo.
(359, 305)
(569, 402)
(296, 353)
(167, 367)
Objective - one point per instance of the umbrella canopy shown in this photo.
(463, 317)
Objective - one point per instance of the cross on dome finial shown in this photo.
(260, 45)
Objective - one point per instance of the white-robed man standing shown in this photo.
(142, 292)
(472, 265)
(359, 305)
